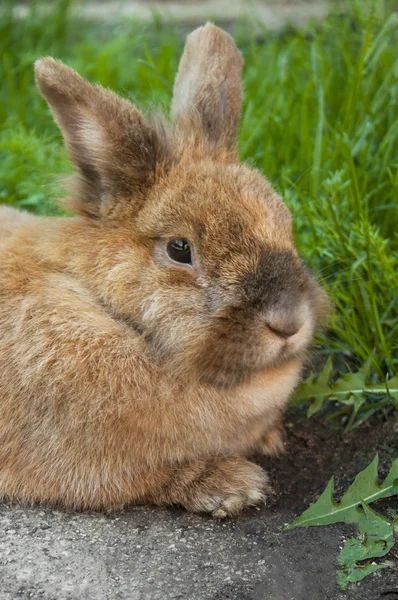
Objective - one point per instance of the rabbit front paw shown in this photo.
(272, 443)
(221, 487)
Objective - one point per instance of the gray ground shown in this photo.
(153, 554)
(157, 555)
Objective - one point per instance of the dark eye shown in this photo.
(180, 251)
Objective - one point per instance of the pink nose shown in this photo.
(282, 326)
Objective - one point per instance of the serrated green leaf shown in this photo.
(378, 529)
(351, 390)
(377, 539)
(318, 512)
(365, 488)
(356, 400)
(344, 578)
(356, 557)
(353, 383)
(314, 387)
(377, 533)
(316, 405)
(392, 477)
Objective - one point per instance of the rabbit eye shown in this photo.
(180, 251)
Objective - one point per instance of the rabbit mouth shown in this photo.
(236, 364)
(242, 344)
(232, 375)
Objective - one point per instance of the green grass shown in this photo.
(320, 120)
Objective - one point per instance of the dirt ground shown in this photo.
(151, 554)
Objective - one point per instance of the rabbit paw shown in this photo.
(225, 486)
(272, 443)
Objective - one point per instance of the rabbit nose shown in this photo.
(283, 326)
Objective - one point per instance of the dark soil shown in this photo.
(318, 448)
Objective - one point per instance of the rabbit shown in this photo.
(150, 342)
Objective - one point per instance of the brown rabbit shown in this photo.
(150, 343)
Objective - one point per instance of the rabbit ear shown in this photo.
(114, 148)
(207, 96)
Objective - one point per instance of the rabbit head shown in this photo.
(177, 239)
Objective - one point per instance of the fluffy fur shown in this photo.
(125, 377)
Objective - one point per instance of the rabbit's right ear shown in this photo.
(117, 152)
(207, 98)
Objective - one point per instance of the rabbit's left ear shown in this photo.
(207, 98)
(115, 149)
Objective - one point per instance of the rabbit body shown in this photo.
(126, 377)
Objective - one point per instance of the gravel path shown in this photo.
(159, 555)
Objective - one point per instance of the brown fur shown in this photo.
(126, 378)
